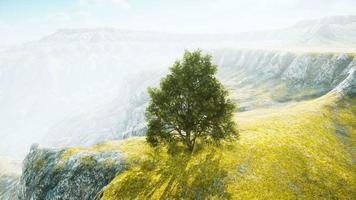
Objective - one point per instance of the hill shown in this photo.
(297, 150)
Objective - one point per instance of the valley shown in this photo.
(78, 96)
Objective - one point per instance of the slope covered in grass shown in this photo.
(302, 150)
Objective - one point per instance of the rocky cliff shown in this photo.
(50, 174)
(265, 77)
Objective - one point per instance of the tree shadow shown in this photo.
(180, 175)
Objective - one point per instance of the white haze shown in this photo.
(183, 16)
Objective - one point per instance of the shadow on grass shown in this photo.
(179, 175)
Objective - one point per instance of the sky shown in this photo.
(26, 20)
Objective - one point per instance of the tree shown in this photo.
(190, 104)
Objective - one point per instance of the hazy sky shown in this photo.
(24, 20)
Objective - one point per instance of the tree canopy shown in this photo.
(190, 103)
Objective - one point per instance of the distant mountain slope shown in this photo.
(335, 32)
(109, 121)
(327, 34)
(328, 30)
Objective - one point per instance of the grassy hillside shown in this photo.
(303, 150)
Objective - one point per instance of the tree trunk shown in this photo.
(190, 146)
(189, 143)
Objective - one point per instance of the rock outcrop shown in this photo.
(50, 174)
(285, 76)
(348, 86)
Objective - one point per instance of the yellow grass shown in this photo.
(295, 151)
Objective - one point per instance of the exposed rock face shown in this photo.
(348, 86)
(54, 174)
(307, 74)
(324, 69)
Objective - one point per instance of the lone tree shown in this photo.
(189, 104)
